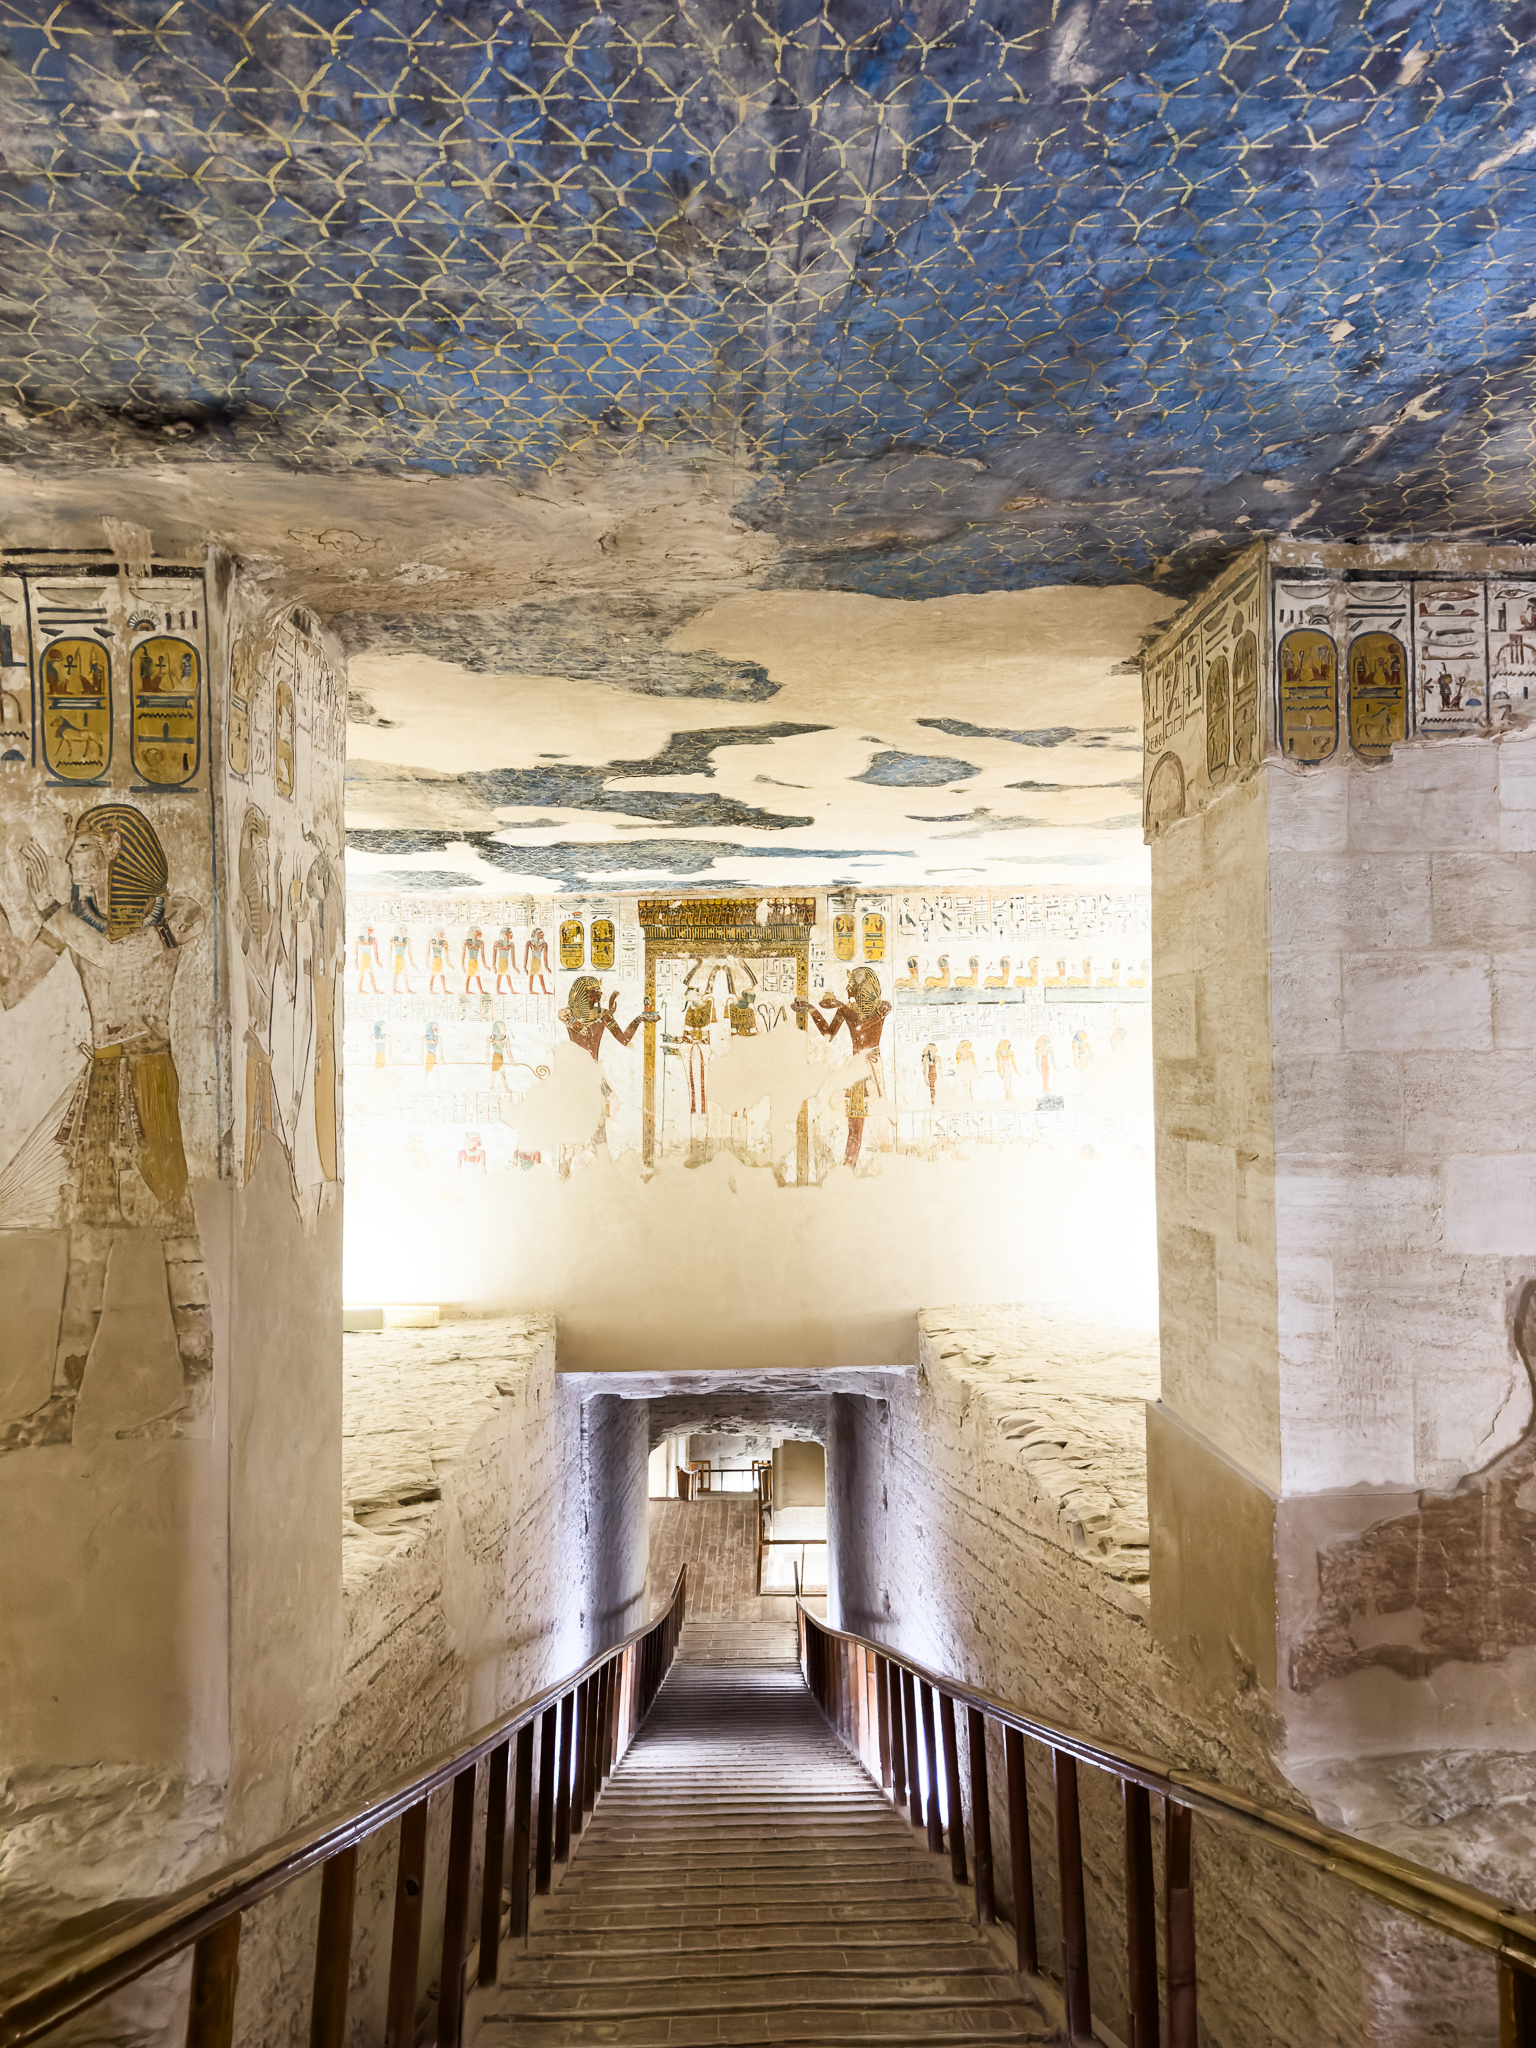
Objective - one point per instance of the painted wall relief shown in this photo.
(1205, 735)
(1511, 651)
(1308, 665)
(106, 878)
(288, 905)
(1378, 694)
(1218, 722)
(1451, 656)
(726, 1027)
(1378, 657)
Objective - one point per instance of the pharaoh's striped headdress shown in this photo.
(137, 873)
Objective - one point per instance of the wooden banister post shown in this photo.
(981, 1816)
(1020, 1854)
(952, 1790)
(914, 1746)
(898, 1741)
(931, 1759)
(461, 1847)
(1074, 1911)
(495, 1857)
(215, 1973)
(1140, 1916)
(405, 1941)
(1179, 1919)
(333, 1951)
(522, 1818)
(563, 1780)
(544, 1854)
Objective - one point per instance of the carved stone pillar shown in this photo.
(171, 755)
(1341, 803)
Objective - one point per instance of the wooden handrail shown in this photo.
(36, 2000)
(1468, 1915)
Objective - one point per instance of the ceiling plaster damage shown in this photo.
(729, 452)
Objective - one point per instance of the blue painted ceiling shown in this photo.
(970, 296)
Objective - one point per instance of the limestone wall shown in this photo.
(989, 1519)
(492, 1534)
(611, 1107)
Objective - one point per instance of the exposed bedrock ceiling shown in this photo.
(537, 347)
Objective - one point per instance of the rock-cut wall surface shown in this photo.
(494, 1534)
(988, 1517)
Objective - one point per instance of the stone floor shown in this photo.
(717, 1538)
(742, 1879)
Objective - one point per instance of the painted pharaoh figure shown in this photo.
(864, 1014)
(107, 905)
(587, 1022)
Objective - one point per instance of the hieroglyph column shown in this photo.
(1340, 794)
(171, 907)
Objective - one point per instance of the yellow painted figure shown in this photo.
(107, 905)
(1007, 1067)
(366, 955)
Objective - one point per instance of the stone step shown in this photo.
(736, 1941)
(742, 1880)
(877, 1894)
(785, 1992)
(779, 1963)
(828, 2026)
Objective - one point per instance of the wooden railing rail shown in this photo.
(587, 1717)
(886, 1708)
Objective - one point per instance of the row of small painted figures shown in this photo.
(475, 961)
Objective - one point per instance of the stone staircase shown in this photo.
(742, 1880)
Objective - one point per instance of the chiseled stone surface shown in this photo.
(948, 1546)
(494, 1531)
(1065, 1406)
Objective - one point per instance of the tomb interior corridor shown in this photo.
(767, 1024)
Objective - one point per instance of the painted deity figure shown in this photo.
(504, 954)
(1043, 1055)
(366, 959)
(472, 959)
(1082, 1050)
(1007, 1067)
(108, 906)
(431, 1044)
(536, 963)
(699, 1015)
(265, 953)
(496, 1050)
(401, 959)
(472, 1152)
(437, 961)
(931, 1072)
(380, 1043)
